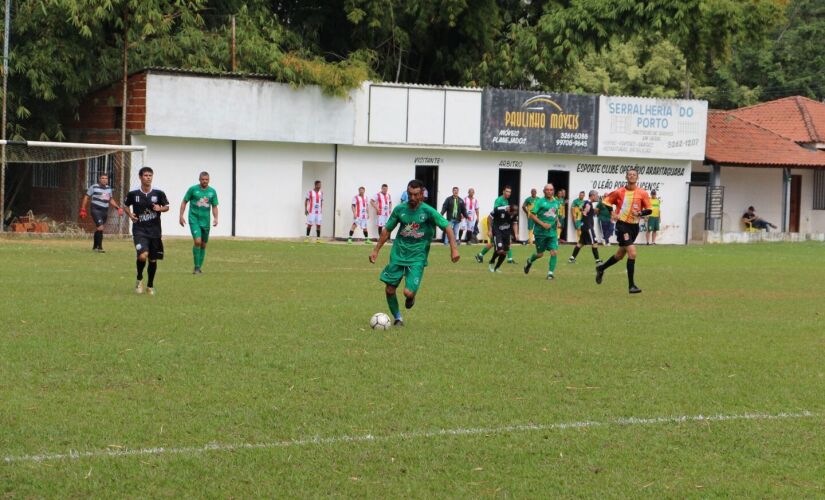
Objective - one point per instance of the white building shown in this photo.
(265, 143)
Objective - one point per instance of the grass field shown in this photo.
(262, 378)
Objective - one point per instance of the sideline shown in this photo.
(366, 438)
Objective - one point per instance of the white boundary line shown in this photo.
(474, 431)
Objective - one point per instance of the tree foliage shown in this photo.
(731, 52)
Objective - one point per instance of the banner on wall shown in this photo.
(637, 127)
(535, 122)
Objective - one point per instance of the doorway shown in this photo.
(560, 179)
(428, 174)
(510, 177)
(796, 194)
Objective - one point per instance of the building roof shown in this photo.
(796, 118)
(732, 140)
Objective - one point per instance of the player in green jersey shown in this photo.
(501, 201)
(545, 214)
(203, 200)
(411, 246)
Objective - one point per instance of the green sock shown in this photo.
(532, 258)
(553, 259)
(392, 301)
(484, 251)
(202, 256)
(510, 254)
(196, 251)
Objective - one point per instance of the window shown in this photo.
(46, 176)
(700, 178)
(95, 167)
(819, 190)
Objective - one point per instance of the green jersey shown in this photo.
(604, 212)
(200, 202)
(412, 243)
(529, 202)
(501, 201)
(548, 212)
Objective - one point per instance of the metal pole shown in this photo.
(234, 62)
(6, 37)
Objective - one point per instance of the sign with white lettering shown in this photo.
(535, 122)
(637, 127)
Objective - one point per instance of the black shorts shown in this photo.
(153, 245)
(501, 239)
(99, 215)
(588, 236)
(626, 233)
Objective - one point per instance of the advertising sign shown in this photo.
(637, 127)
(534, 122)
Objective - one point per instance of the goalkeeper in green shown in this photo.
(411, 247)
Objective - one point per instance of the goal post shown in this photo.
(42, 184)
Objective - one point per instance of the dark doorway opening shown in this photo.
(796, 195)
(510, 177)
(428, 174)
(560, 179)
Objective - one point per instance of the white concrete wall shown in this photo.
(177, 163)
(230, 108)
(760, 187)
(271, 187)
(371, 166)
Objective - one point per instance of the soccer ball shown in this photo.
(380, 321)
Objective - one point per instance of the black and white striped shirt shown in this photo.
(100, 195)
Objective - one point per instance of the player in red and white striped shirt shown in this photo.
(360, 215)
(313, 209)
(469, 223)
(382, 204)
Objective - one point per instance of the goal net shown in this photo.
(42, 184)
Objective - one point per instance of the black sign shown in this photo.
(534, 122)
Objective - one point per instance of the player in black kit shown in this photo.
(501, 220)
(146, 206)
(588, 234)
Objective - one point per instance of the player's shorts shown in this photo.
(653, 223)
(382, 220)
(199, 231)
(153, 245)
(501, 239)
(362, 223)
(99, 215)
(314, 219)
(468, 224)
(544, 242)
(412, 275)
(588, 236)
(626, 233)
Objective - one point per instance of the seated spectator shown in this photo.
(751, 219)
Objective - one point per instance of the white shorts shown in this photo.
(382, 220)
(314, 219)
(468, 224)
(362, 223)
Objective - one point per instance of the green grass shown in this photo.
(272, 344)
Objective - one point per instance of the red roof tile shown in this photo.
(734, 141)
(797, 118)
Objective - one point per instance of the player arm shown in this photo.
(215, 213)
(445, 226)
(384, 236)
(182, 210)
